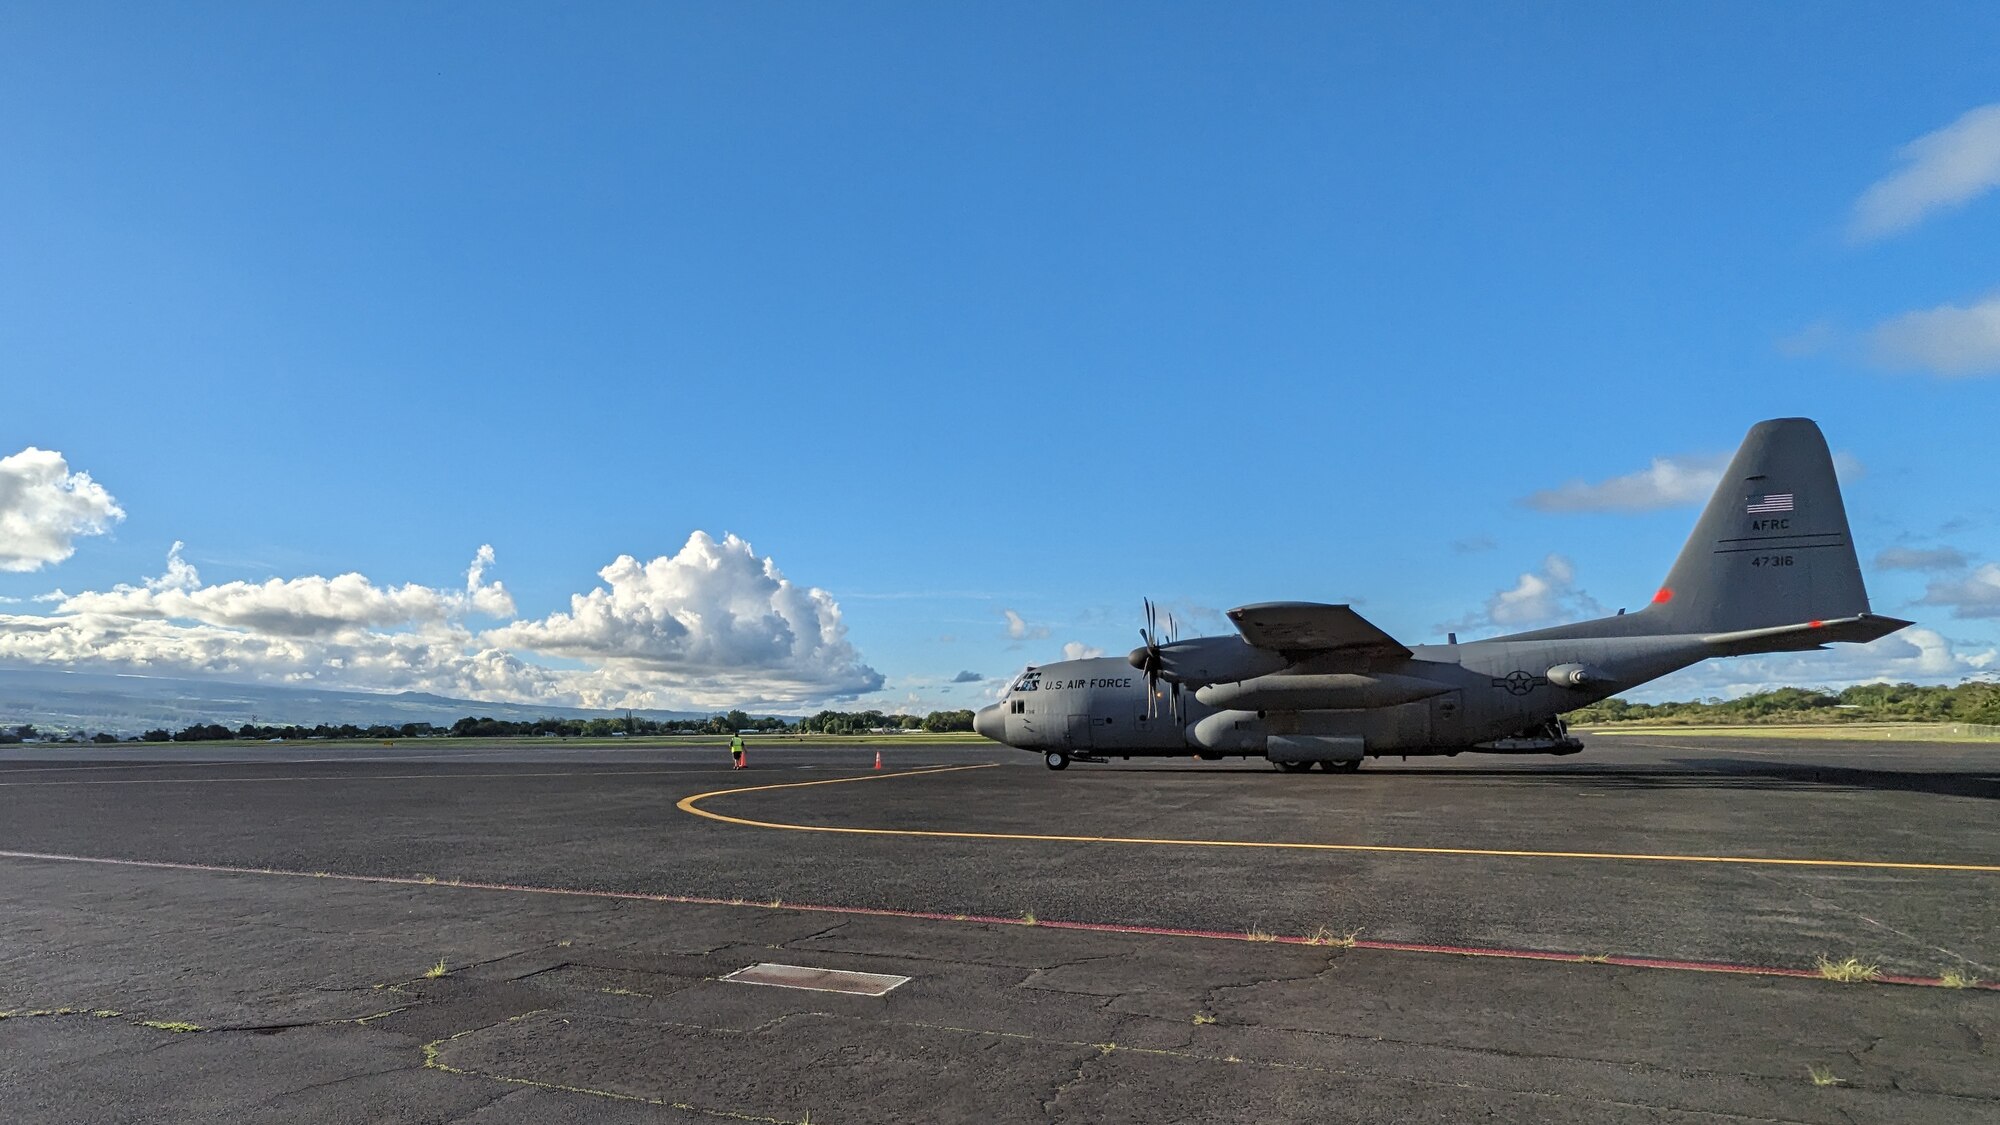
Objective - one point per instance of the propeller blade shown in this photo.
(1148, 634)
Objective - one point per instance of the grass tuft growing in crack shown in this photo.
(1261, 935)
(1957, 978)
(1202, 1019)
(176, 1026)
(437, 970)
(1848, 970)
(1028, 918)
(1821, 1076)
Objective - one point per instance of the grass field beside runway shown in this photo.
(1840, 732)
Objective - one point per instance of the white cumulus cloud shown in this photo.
(1951, 340)
(1077, 650)
(713, 626)
(1941, 169)
(441, 659)
(716, 618)
(1669, 482)
(1914, 655)
(44, 508)
(1539, 597)
(296, 607)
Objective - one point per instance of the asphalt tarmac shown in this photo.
(509, 933)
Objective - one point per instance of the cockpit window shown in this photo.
(1031, 680)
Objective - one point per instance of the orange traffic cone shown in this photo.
(878, 759)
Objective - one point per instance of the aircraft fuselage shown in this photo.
(1443, 699)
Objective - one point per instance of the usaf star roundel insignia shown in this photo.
(1519, 682)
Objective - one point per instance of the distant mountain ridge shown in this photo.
(126, 704)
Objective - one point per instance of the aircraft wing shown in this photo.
(1300, 629)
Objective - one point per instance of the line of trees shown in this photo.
(863, 722)
(1975, 701)
(628, 725)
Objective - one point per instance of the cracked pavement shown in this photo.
(309, 999)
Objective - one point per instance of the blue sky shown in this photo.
(950, 312)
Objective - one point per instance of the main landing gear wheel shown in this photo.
(1295, 767)
(1057, 761)
(1353, 766)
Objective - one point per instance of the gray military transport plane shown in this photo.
(1770, 568)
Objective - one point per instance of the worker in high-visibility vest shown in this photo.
(736, 751)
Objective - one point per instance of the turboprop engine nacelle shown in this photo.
(1208, 660)
(1330, 692)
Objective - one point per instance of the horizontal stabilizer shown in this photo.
(1303, 628)
(1859, 629)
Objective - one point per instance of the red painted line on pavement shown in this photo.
(1498, 952)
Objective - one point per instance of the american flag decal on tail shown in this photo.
(1775, 502)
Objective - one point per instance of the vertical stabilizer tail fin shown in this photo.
(1773, 546)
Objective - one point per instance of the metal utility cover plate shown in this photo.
(817, 980)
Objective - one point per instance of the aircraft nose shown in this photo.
(991, 722)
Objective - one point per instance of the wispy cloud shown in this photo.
(1669, 482)
(1975, 595)
(1918, 558)
(1019, 629)
(1950, 340)
(1941, 169)
(1815, 338)
(967, 678)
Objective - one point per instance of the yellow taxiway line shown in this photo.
(692, 805)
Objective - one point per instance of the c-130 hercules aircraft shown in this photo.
(1770, 568)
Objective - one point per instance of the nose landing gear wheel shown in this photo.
(1057, 760)
(1353, 766)
(1295, 767)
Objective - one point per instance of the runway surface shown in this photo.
(1631, 934)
